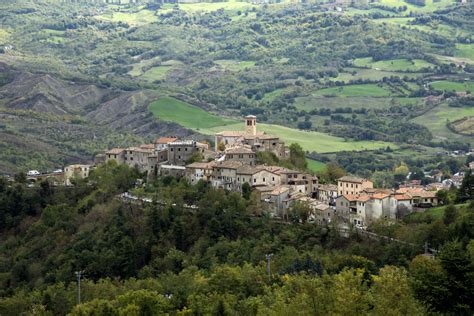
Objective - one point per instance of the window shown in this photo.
(263, 179)
(254, 180)
(179, 149)
(273, 178)
(352, 185)
(241, 156)
(186, 149)
(171, 149)
(131, 158)
(347, 185)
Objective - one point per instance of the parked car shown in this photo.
(33, 173)
(58, 171)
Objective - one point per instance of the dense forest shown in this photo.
(150, 259)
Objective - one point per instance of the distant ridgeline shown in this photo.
(132, 1)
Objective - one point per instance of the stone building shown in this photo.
(327, 193)
(180, 151)
(162, 142)
(352, 185)
(240, 153)
(258, 141)
(76, 171)
(137, 157)
(199, 171)
(116, 154)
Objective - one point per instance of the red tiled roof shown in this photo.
(165, 140)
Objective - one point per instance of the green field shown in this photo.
(234, 65)
(133, 18)
(465, 51)
(393, 65)
(192, 117)
(429, 7)
(173, 110)
(214, 6)
(453, 86)
(310, 141)
(309, 103)
(371, 74)
(270, 96)
(434, 213)
(370, 90)
(315, 165)
(436, 119)
(156, 73)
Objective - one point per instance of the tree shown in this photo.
(333, 172)
(246, 190)
(383, 179)
(221, 146)
(297, 156)
(429, 282)
(350, 291)
(446, 196)
(195, 157)
(450, 214)
(391, 293)
(299, 212)
(457, 264)
(466, 191)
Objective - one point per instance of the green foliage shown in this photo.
(297, 157)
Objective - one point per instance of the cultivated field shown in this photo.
(436, 119)
(371, 74)
(309, 103)
(186, 115)
(465, 51)
(429, 7)
(464, 126)
(315, 165)
(192, 117)
(393, 65)
(369, 90)
(453, 86)
(138, 17)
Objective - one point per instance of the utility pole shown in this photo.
(268, 257)
(78, 276)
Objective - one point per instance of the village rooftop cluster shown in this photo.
(232, 165)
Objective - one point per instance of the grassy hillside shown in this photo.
(192, 117)
(453, 86)
(370, 90)
(394, 64)
(315, 165)
(436, 119)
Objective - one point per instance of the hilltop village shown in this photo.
(233, 165)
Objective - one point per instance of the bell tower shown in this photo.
(251, 125)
